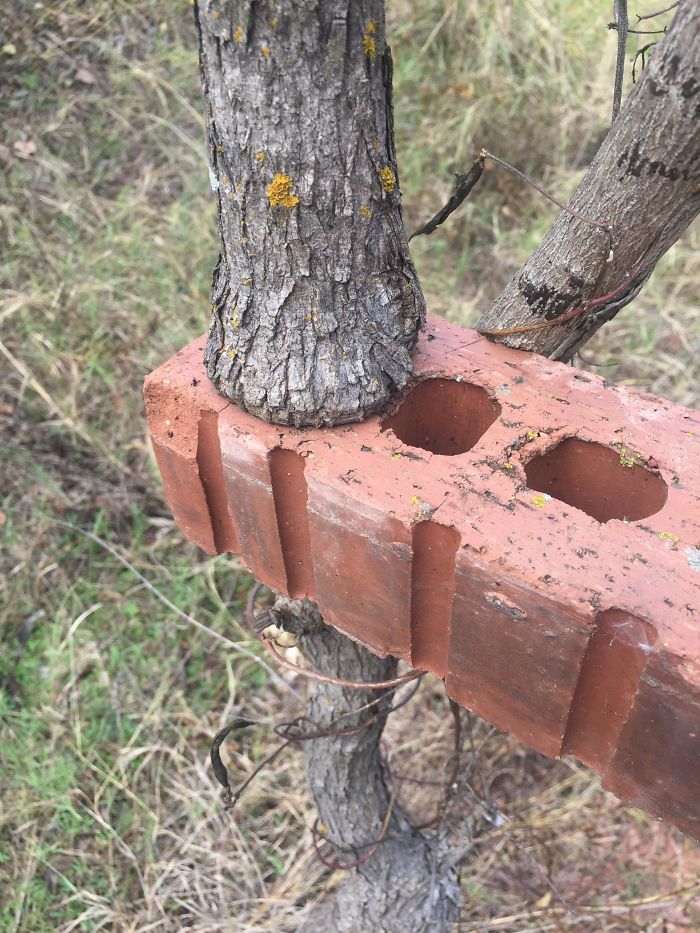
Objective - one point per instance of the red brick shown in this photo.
(527, 531)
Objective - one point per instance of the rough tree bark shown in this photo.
(644, 181)
(316, 308)
(316, 304)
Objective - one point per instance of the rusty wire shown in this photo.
(297, 730)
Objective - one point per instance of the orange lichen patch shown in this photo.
(366, 212)
(259, 156)
(238, 34)
(369, 46)
(266, 51)
(279, 192)
(371, 26)
(388, 179)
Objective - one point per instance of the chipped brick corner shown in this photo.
(526, 531)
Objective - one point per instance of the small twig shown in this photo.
(622, 25)
(648, 32)
(640, 53)
(463, 186)
(285, 730)
(658, 12)
(233, 796)
(465, 183)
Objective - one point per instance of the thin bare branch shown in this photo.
(640, 53)
(657, 13)
(622, 25)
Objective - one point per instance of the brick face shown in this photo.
(526, 531)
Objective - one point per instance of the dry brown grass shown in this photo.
(109, 815)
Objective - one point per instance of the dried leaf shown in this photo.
(85, 76)
(24, 147)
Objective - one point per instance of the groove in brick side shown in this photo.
(432, 595)
(528, 532)
(607, 685)
(290, 496)
(211, 475)
(250, 495)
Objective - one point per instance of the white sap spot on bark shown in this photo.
(693, 555)
(213, 180)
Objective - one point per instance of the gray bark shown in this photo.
(410, 882)
(316, 304)
(644, 181)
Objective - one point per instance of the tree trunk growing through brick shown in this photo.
(316, 309)
(316, 305)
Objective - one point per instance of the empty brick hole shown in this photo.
(443, 416)
(595, 479)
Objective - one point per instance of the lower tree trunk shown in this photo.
(644, 183)
(408, 881)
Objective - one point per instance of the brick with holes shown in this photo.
(528, 532)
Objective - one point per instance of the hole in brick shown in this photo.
(608, 682)
(432, 593)
(595, 479)
(290, 494)
(443, 416)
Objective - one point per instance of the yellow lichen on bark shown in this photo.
(238, 34)
(370, 46)
(279, 192)
(388, 179)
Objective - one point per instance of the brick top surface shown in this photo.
(648, 567)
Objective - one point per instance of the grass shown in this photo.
(109, 815)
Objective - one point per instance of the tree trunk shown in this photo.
(316, 305)
(644, 182)
(409, 881)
